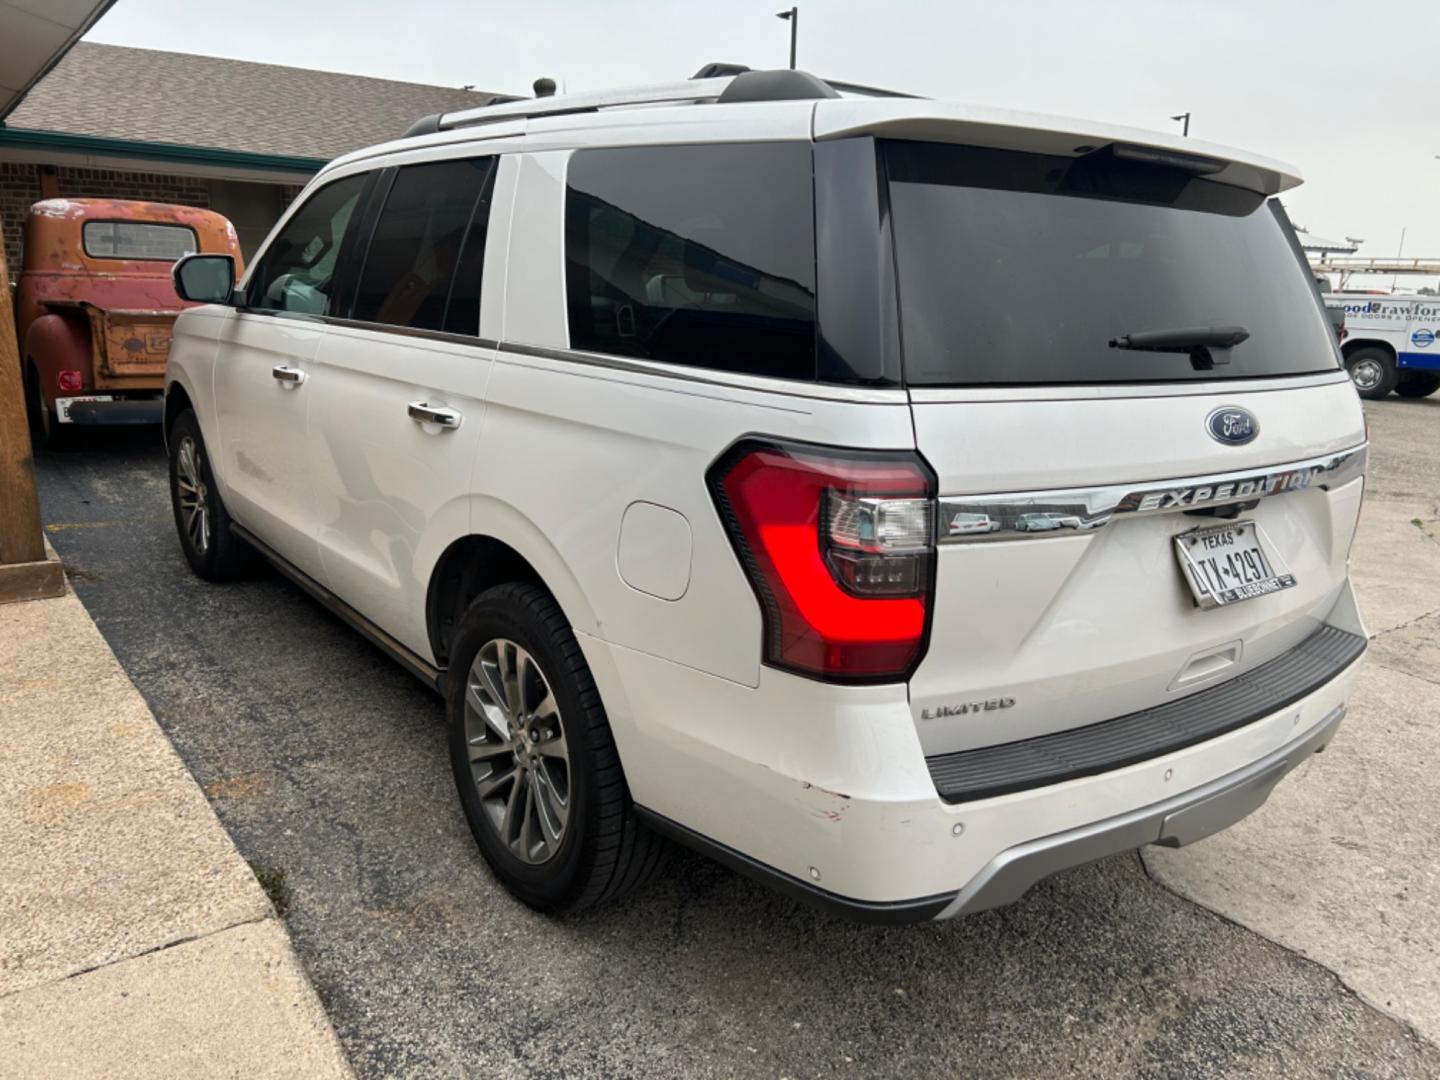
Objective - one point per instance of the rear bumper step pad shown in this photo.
(982, 773)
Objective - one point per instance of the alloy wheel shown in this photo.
(193, 494)
(519, 760)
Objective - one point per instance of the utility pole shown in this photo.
(1184, 116)
(793, 18)
(25, 572)
(1399, 254)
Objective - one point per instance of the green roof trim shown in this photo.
(156, 151)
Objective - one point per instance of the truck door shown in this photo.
(263, 374)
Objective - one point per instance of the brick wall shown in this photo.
(20, 187)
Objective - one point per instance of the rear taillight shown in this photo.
(839, 548)
(70, 382)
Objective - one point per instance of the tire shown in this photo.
(557, 765)
(213, 551)
(46, 431)
(1418, 385)
(1373, 372)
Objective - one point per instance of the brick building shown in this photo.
(229, 135)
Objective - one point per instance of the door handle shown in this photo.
(422, 413)
(287, 376)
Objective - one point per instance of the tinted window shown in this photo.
(462, 313)
(696, 255)
(137, 240)
(297, 270)
(1021, 268)
(416, 244)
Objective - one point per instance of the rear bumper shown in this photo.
(1098, 748)
(825, 794)
(1418, 361)
(1176, 822)
(119, 411)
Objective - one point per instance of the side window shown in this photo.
(429, 237)
(695, 255)
(297, 270)
(462, 314)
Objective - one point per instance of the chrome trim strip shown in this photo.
(1033, 515)
(894, 395)
(760, 384)
(975, 395)
(409, 331)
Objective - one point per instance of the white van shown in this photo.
(1391, 343)
(900, 501)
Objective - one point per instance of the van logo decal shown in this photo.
(988, 705)
(1422, 338)
(1232, 424)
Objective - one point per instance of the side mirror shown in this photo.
(205, 279)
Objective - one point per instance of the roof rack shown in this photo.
(714, 83)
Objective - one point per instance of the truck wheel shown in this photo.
(1421, 384)
(46, 431)
(1373, 372)
(534, 760)
(212, 550)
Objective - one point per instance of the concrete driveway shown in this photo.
(326, 761)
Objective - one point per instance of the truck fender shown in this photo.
(56, 343)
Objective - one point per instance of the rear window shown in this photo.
(137, 240)
(1019, 268)
(694, 255)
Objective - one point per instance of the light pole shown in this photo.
(793, 18)
(1185, 117)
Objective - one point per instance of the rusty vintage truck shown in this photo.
(95, 304)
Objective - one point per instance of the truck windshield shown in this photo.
(1018, 268)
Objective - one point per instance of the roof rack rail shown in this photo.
(692, 91)
(714, 83)
(869, 91)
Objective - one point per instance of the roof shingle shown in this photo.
(146, 95)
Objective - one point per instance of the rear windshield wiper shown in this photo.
(1198, 341)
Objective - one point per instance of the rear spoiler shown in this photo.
(1007, 129)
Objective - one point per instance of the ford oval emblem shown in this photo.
(1232, 425)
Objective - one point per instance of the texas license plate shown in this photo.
(1229, 563)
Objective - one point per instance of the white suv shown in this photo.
(899, 501)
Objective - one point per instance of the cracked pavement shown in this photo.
(324, 759)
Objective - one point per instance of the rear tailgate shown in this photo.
(1069, 458)
(132, 342)
(1060, 599)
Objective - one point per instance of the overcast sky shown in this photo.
(1343, 90)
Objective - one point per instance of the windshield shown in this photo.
(1018, 268)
